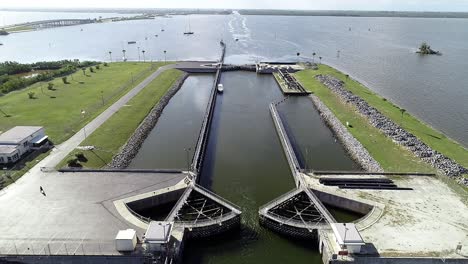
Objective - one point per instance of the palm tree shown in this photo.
(313, 57)
(124, 58)
(110, 56)
(165, 56)
(143, 51)
(320, 58)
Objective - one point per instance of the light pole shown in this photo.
(344, 239)
(83, 113)
(110, 56)
(138, 53)
(143, 51)
(165, 57)
(124, 58)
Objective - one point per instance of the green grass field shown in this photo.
(114, 133)
(59, 111)
(18, 29)
(391, 156)
(424, 132)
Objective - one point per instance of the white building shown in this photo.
(158, 234)
(20, 140)
(347, 237)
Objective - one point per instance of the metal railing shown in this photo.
(203, 189)
(275, 202)
(202, 135)
(137, 215)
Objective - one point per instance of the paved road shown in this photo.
(62, 150)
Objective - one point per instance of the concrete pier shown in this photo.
(298, 213)
(199, 153)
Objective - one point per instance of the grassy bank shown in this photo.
(65, 108)
(428, 135)
(391, 156)
(114, 133)
(19, 29)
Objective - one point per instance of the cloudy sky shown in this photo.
(409, 5)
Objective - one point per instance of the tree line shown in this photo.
(48, 70)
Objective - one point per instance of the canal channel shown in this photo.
(244, 161)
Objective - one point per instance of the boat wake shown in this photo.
(239, 30)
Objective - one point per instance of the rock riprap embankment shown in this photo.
(355, 149)
(394, 131)
(130, 149)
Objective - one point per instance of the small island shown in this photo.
(425, 49)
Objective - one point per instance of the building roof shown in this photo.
(158, 232)
(347, 233)
(7, 149)
(18, 134)
(128, 234)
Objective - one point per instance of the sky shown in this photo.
(392, 5)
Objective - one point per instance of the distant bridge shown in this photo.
(52, 23)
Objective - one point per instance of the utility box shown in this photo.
(126, 240)
(158, 234)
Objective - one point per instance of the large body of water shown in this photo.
(377, 51)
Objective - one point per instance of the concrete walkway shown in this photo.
(62, 150)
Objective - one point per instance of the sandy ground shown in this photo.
(429, 221)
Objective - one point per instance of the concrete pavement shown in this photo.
(77, 213)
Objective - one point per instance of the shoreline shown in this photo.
(393, 131)
(130, 149)
(369, 87)
(353, 147)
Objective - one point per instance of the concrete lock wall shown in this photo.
(377, 260)
(343, 203)
(289, 231)
(151, 201)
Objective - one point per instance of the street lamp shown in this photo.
(124, 58)
(110, 56)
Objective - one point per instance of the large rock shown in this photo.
(400, 136)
